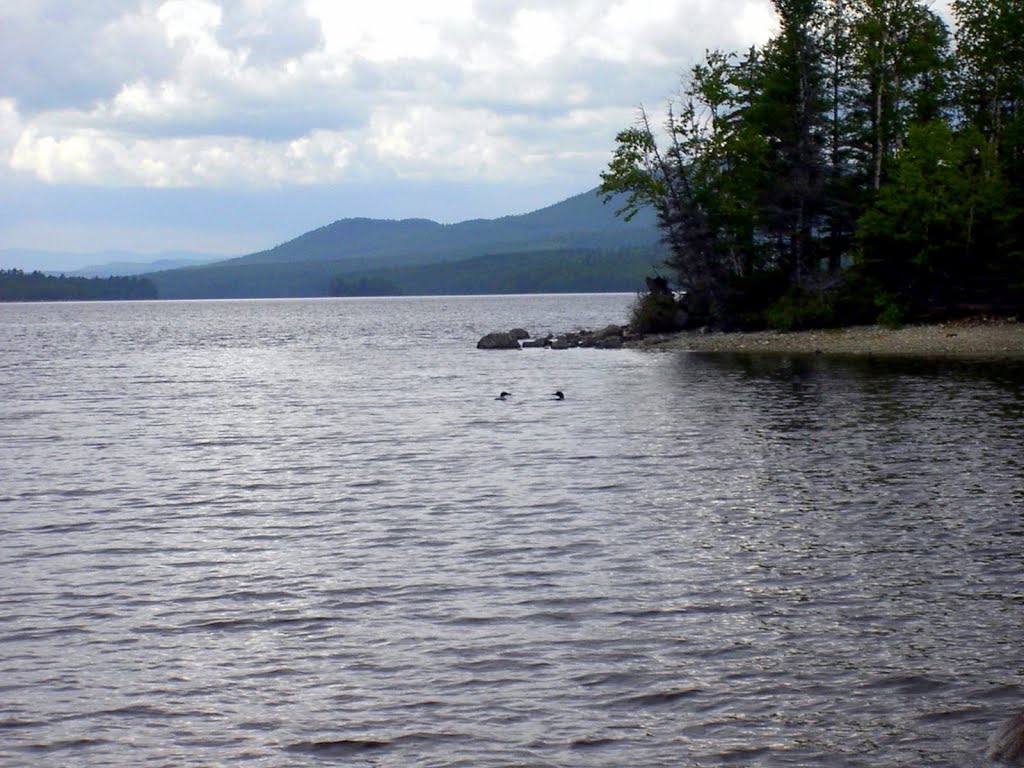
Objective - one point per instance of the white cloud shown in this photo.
(755, 23)
(425, 142)
(538, 35)
(269, 31)
(90, 157)
(192, 22)
(386, 30)
(140, 100)
(186, 93)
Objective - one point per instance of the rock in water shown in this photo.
(500, 340)
(609, 332)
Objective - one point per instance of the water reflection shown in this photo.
(873, 530)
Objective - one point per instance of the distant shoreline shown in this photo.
(967, 340)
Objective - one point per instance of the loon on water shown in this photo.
(503, 396)
(1007, 744)
(559, 395)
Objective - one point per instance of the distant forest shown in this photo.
(16, 285)
(561, 271)
(863, 165)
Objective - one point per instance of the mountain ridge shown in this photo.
(100, 263)
(309, 264)
(578, 218)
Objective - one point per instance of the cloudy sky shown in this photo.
(226, 126)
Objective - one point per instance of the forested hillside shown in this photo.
(581, 221)
(577, 271)
(864, 164)
(341, 255)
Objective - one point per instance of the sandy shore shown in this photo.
(974, 339)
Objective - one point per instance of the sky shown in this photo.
(228, 126)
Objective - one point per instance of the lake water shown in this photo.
(298, 533)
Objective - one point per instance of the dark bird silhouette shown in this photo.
(559, 395)
(504, 396)
(1007, 744)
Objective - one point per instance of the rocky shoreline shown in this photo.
(972, 339)
(982, 338)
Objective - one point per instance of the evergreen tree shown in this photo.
(836, 142)
(788, 111)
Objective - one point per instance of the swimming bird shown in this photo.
(504, 396)
(1007, 744)
(559, 395)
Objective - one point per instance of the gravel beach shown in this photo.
(974, 339)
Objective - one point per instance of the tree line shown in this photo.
(564, 270)
(16, 285)
(863, 165)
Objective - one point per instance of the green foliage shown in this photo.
(934, 229)
(836, 143)
(801, 310)
(16, 285)
(654, 313)
(632, 176)
(893, 314)
(750, 298)
(855, 300)
(990, 47)
(364, 285)
(568, 271)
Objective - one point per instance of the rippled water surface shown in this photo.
(291, 533)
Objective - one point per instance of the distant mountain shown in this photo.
(582, 221)
(101, 264)
(310, 264)
(128, 268)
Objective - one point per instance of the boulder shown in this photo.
(498, 340)
(609, 331)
